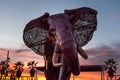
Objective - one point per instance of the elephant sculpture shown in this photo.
(71, 30)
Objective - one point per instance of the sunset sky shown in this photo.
(15, 14)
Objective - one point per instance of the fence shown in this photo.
(21, 78)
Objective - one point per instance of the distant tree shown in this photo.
(5, 66)
(12, 73)
(111, 67)
(32, 66)
(19, 69)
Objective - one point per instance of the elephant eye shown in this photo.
(51, 32)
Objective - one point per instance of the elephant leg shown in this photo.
(65, 71)
(50, 74)
(47, 75)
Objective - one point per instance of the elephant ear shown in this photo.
(34, 34)
(84, 23)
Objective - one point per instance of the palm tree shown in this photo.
(32, 66)
(111, 67)
(12, 72)
(5, 66)
(2, 63)
(19, 69)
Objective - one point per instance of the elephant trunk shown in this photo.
(65, 40)
(71, 57)
(55, 59)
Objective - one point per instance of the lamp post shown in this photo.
(6, 64)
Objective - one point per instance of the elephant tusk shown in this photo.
(58, 64)
(54, 60)
(82, 53)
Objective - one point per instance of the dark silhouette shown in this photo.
(49, 49)
(19, 69)
(33, 71)
(111, 67)
(5, 66)
(12, 76)
(4, 70)
(51, 72)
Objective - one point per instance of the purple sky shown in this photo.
(15, 14)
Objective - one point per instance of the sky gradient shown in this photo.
(15, 14)
(28, 55)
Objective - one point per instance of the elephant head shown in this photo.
(65, 40)
(67, 26)
(73, 29)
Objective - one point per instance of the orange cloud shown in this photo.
(96, 55)
(82, 76)
(87, 76)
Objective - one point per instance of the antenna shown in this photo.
(6, 64)
(8, 57)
